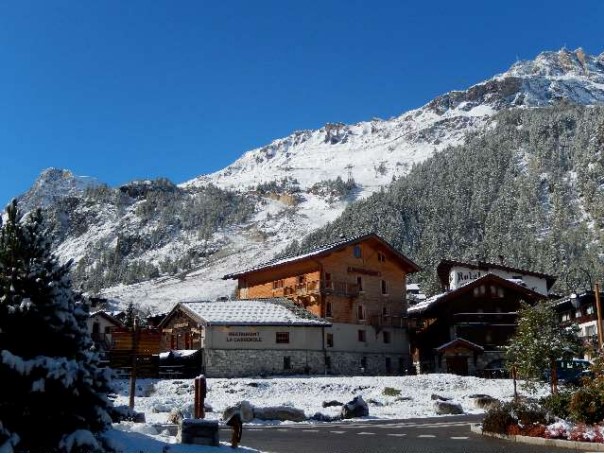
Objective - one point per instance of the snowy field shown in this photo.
(408, 397)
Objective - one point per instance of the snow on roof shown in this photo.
(323, 249)
(281, 261)
(278, 311)
(459, 340)
(412, 287)
(419, 307)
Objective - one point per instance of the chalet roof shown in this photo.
(586, 297)
(107, 316)
(268, 312)
(462, 342)
(326, 250)
(428, 305)
(444, 267)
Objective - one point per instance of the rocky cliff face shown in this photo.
(294, 184)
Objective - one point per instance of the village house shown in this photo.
(581, 309)
(463, 329)
(359, 286)
(243, 338)
(101, 325)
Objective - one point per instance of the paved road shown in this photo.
(448, 434)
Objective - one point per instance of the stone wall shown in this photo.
(242, 363)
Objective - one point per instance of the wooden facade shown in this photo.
(463, 331)
(358, 281)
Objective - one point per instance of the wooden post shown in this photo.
(134, 358)
(599, 313)
(200, 396)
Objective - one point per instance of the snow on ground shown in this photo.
(158, 398)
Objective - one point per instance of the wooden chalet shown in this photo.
(581, 309)
(463, 330)
(362, 279)
(357, 284)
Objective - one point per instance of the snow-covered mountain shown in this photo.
(289, 181)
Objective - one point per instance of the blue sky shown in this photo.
(121, 90)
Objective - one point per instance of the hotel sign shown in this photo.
(355, 270)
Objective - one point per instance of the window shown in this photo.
(329, 339)
(277, 284)
(328, 282)
(96, 328)
(565, 317)
(328, 309)
(381, 257)
(361, 312)
(360, 283)
(385, 312)
(287, 363)
(384, 287)
(589, 310)
(328, 362)
(386, 336)
(282, 338)
(578, 313)
(357, 251)
(364, 363)
(362, 335)
(301, 279)
(108, 330)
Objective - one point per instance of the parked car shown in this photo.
(571, 371)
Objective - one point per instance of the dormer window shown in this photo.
(356, 250)
(381, 257)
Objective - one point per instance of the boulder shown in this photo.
(437, 397)
(447, 408)
(244, 408)
(318, 416)
(356, 408)
(485, 402)
(279, 413)
(332, 403)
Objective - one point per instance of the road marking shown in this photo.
(310, 430)
(396, 435)
(459, 438)
(255, 430)
(282, 430)
(426, 436)
(339, 432)
(365, 433)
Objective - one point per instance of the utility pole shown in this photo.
(599, 313)
(135, 333)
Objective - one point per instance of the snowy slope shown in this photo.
(372, 153)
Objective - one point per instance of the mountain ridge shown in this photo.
(296, 183)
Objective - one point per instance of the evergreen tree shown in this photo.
(53, 394)
(539, 341)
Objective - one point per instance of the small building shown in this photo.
(101, 325)
(244, 338)
(581, 309)
(463, 330)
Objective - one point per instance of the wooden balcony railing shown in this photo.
(318, 287)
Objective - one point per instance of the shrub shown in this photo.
(587, 406)
(498, 419)
(557, 404)
(388, 391)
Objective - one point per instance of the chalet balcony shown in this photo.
(339, 288)
(387, 321)
(485, 318)
(580, 320)
(316, 288)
